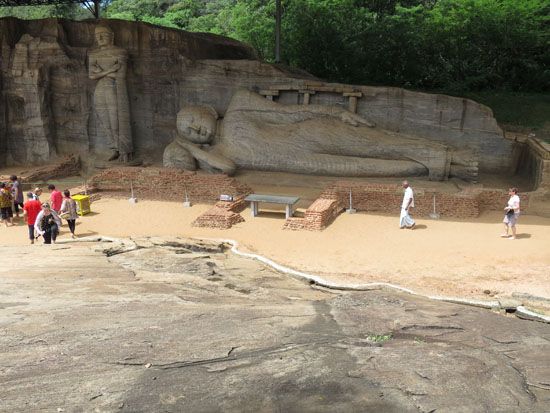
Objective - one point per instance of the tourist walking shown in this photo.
(6, 212)
(17, 194)
(511, 214)
(31, 209)
(56, 198)
(68, 211)
(36, 193)
(47, 224)
(405, 219)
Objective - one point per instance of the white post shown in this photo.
(350, 210)
(186, 203)
(132, 199)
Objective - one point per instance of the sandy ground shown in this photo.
(457, 258)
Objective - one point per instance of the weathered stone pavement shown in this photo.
(174, 326)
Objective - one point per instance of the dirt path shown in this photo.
(458, 258)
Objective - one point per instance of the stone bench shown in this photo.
(255, 199)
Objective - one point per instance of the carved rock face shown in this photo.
(104, 38)
(175, 156)
(49, 108)
(197, 124)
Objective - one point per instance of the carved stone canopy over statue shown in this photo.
(259, 134)
(107, 64)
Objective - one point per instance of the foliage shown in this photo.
(68, 11)
(519, 111)
(379, 338)
(454, 45)
(450, 46)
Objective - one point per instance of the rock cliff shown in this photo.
(47, 108)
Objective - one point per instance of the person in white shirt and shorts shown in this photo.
(511, 214)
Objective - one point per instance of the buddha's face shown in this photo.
(197, 124)
(104, 38)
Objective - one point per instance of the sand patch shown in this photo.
(458, 257)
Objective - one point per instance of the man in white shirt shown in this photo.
(405, 220)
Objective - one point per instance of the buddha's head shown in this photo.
(104, 36)
(197, 123)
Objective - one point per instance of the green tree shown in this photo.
(448, 45)
(67, 11)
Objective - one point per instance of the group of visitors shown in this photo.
(44, 219)
(511, 211)
(11, 199)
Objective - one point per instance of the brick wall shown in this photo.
(168, 184)
(69, 166)
(388, 198)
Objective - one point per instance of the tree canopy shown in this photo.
(450, 45)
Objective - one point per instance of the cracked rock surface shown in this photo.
(176, 325)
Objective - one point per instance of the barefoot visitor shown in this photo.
(56, 198)
(37, 193)
(511, 214)
(68, 211)
(405, 220)
(5, 204)
(17, 194)
(47, 224)
(31, 209)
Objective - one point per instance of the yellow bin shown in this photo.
(82, 204)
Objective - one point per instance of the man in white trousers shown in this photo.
(405, 220)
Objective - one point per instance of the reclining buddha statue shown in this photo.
(259, 134)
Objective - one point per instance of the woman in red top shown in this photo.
(31, 209)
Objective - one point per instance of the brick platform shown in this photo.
(237, 205)
(317, 217)
(218, 217)
(223, 215)
(168, 184)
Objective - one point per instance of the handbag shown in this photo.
(65, 215)
(510, 213)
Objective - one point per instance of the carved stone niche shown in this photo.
(46, 102)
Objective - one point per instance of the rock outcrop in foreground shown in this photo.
(177, 325)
